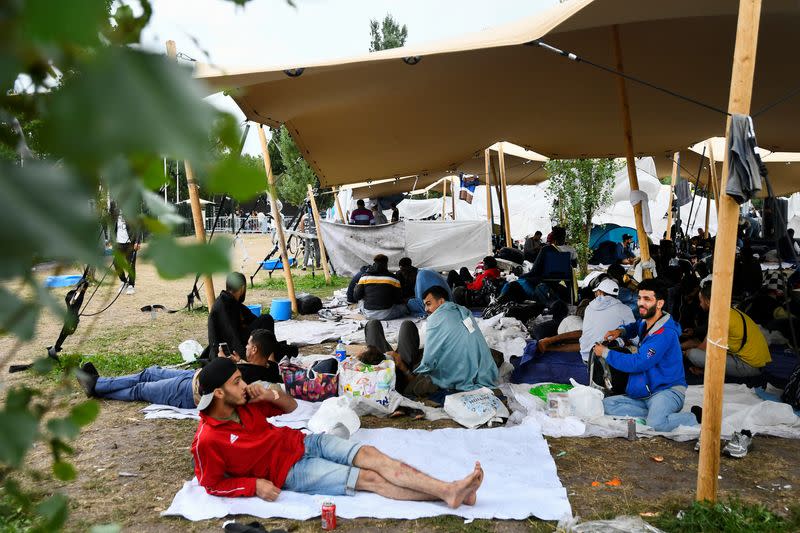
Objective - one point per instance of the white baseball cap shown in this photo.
(609, 286)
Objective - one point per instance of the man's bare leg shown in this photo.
(407, 477)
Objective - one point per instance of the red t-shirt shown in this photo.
(229, 457)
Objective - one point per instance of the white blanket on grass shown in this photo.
(520, 480)
(308, 332)
(741, 409)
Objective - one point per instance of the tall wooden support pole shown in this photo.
(322, 253)
(709, 185)
(504, 185)
(338, 205)
(672, 193)
(444, 199)
(453, 192)
(276, 216)
(744, 59)
(644, 244)
(489, 211)
(194, 200)
(714, 180)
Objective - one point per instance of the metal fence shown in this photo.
(232, 223)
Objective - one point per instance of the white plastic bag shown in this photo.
(190, 349)
(586, 402)
(373, 382)
(331, 412)
(475, 408)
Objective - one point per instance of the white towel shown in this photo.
(520, 480)
(641, 197)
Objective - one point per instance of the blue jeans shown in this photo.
(326, 467)
(660, 410)
(154, 384)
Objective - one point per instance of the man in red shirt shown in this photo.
(238, 453)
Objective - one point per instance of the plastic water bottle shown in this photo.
(341, 352)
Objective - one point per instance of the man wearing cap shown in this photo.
(179, 388)
(237, 452)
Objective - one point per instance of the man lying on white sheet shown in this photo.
(238, 453)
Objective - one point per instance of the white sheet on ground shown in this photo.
(520, 479)
(741, 409)
(308, 332)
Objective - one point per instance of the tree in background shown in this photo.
(385, 35)
(583, 187)
(292, 183)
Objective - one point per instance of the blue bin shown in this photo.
(255, 309)
(281, 309)
(61, 281)
(276, 263)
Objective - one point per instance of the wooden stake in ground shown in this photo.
(644, 244)
(194, 200)
(453, 193)
(322, 253)
(675, 157)
(276, 216)
(715, 185)
(504, 186)
(744, 59)
(338, 205)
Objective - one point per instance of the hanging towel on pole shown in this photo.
(744, 180)
(641, 196)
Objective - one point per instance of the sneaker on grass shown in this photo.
(741, 442)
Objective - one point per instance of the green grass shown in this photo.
(109, 364)
(733, 516)
(12, 518)
(314, 285)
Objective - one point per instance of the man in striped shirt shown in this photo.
(362, 216)
(380, 292)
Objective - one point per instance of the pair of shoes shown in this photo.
(131, 290)
(87, 377)
(741, 442)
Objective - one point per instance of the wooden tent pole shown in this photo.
(644, 244)
(744, 59)
(672, 194)
(504, 185)
(487, 154)
(444, 199)
(194, 200)
(709, 185)
(453, 193)
(276, 216)
(338, 205)
(322, 253)
(714, 181)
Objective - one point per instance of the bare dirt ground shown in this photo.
(129, 469)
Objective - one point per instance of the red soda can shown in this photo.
(328, 515)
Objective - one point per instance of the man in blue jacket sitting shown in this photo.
(656, 382)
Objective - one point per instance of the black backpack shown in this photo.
(611, 381)
(791, 393)
(308, 305)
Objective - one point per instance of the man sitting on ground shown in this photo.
(238, 453)
(361, 216)
(230, 321)
(465, 287)
(656, 382)
(456, 356)
(408, 277)
(380, 291)
(748, 351)
(178, 388)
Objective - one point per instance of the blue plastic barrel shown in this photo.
(281, 309)
(255, 309)
(276, 263)
(62, 281)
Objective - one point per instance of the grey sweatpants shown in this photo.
(734, 366)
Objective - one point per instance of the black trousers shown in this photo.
(418, 386)
(126, 268)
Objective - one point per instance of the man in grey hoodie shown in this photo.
(604, 313)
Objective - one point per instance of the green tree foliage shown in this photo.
(387, 34)
(292, 183)
(583, 187)
(82, 111)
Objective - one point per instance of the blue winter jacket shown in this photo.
(658, 364)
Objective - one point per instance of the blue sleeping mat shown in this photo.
(548, 367)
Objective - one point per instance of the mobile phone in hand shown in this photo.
(224, 347)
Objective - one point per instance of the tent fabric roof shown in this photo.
(377, 115)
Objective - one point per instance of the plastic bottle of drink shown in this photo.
(341, 352)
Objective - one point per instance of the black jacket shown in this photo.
(252, 373)
(228, 321)
(351, 297)
(408, 281)
(379, 288)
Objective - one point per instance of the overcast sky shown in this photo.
(268, 32)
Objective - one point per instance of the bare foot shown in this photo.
(465, 489)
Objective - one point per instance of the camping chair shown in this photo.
(557, 268)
